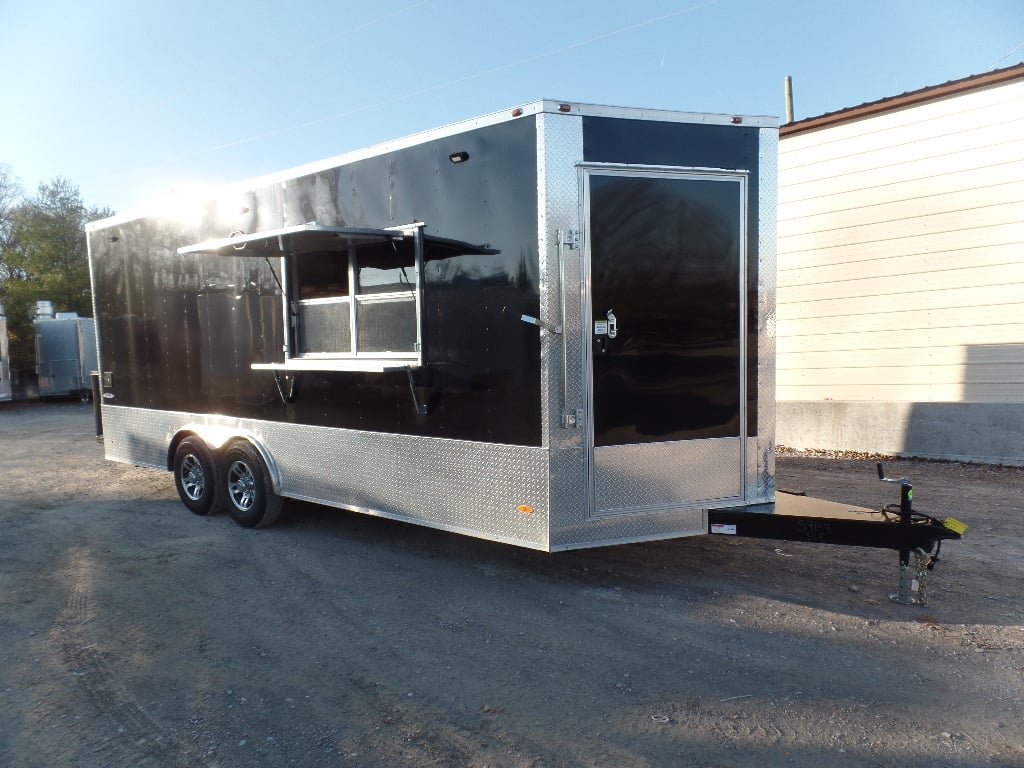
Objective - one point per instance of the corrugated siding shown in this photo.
(901, 255)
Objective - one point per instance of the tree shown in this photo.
(10, 194)
(44, 257)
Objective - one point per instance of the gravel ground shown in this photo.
(137, 634)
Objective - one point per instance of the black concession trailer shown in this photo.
(551, 326)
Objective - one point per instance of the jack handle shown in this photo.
(884, 479)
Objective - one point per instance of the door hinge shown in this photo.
(569, 238)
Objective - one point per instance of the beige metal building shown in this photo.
(901, 274)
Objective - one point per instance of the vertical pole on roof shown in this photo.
(789, 99)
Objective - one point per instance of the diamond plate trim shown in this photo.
(471, 488)
(763, 479)
(638, 478)
(136, 436)
(571, 528)
(602, 532)
(559, 151)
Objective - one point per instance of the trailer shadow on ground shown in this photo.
(854, 581)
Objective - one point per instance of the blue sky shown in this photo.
(130, 99)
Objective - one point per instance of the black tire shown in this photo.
(245, 483)
(195, 476)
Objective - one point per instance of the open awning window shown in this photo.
(294, 241)
(352, 296)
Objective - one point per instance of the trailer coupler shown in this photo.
(802, 518)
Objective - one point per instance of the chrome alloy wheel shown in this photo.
(193, 478)
(241, 486)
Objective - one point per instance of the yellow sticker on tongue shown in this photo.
(954, 525)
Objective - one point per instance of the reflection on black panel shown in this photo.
(386, 267)
(182, 332)
(665, 259)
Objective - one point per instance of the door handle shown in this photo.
(613, 325)
(541, 324)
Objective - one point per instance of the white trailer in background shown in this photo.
(65, 351)
(5, 363)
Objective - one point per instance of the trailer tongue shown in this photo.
(795, 517)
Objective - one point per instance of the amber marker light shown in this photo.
(526, 509)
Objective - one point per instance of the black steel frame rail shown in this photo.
(883, 534)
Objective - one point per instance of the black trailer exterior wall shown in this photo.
(552, 326)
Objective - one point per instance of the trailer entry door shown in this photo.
(666, 262)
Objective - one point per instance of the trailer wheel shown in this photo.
(195, 476)
(251, 500)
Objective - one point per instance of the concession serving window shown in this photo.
(352, 296)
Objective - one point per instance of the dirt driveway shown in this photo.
(137, 634)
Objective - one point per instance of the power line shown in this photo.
(1007, 56)
(428, 89)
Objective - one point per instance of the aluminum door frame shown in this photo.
(664, 453)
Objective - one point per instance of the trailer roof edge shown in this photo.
(548, 106)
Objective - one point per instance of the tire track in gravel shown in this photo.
(419, 729)
(132, 738)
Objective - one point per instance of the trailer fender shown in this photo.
(217, 437)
